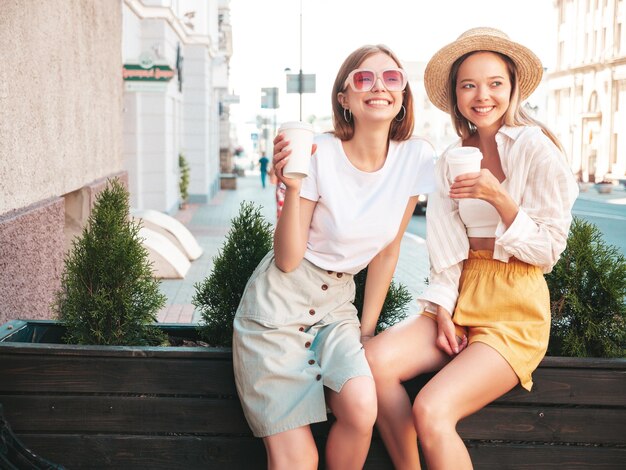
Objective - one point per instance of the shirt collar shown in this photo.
(512, 132)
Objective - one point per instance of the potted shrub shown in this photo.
(588, 292)
(108, 294)
(183, 183)
(120, 399)
(604, 187)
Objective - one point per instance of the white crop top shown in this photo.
(480, 218)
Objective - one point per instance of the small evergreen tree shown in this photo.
(588, 296)
(394, 307)
(217, 297)
(108, 295)
(183, 184)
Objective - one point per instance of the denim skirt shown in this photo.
(294, 334)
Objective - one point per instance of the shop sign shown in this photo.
(156, 73)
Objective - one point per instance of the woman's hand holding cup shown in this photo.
(280, 159)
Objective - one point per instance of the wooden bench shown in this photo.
(177, 408)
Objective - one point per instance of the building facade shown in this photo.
(60, 137)
(176, 55)
(587, 89)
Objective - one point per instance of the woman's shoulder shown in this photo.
(324, 138)
(534, 140)
(416, 146)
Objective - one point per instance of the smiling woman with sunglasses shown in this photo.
(298, 343)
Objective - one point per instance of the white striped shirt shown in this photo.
(540, 182)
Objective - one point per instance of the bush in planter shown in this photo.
(108, 295)
(217, 297)
(248, 241)
(394, 307)
(183, 184)
(588, 296)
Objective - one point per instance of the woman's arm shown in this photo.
(379, 274)
(292, 229)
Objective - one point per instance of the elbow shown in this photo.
(285, 266)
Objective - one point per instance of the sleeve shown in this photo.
(309, 189)
(448, 246)
(425, 174)
(442, 289)
(446, 236)
(538, 235)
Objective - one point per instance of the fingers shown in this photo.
(462, 342)
(443, 344)
(446, 338)
(467, 176)
(313, 149)
(278, 138)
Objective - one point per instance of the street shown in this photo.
(608, 213)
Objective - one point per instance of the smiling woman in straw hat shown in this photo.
(492, 230)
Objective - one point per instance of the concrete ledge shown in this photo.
(171, 228)
(168, 262)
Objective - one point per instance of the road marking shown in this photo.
(417, 239)
(621, 201)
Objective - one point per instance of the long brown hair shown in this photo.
(400, 130)
(515, 114)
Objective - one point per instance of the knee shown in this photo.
(431, 418)
(379, 364)
(360, 410)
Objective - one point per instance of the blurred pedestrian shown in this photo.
(263, 163)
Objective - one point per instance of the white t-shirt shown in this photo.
(359, 213)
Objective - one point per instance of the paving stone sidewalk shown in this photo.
(210, 223)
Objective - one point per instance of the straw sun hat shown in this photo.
(529, 68)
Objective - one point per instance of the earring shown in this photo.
(403, 114)
(456, 113)
(347, 117)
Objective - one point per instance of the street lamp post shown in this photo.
(300, 83)
(300, 71)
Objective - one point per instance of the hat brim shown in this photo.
(436, 74)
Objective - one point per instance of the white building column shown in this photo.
(197, 117)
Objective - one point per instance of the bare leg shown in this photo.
(291, 449)
(350, 436)
(398, 354)
(473, 379)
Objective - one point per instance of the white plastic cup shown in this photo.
(300, 137)
(463, 160)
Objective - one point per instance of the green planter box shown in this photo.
(93, 407)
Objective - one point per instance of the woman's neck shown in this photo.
(367, 150)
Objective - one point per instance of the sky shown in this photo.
(266, 40)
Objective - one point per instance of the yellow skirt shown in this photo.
(506, 306)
